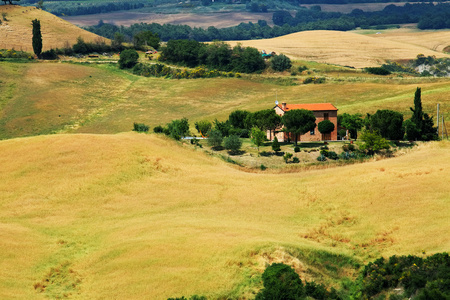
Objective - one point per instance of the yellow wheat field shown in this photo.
(134, 216)
(342, 48)
(16, 32)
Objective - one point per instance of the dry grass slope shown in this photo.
(16, 33)
(135, 216)
(343, 48)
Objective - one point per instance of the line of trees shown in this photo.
(427, 15)
(217, 55)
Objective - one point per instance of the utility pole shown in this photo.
(437, 118)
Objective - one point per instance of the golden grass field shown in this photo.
(91, 210)
(16, 33)
(348, 48)
(135, 216)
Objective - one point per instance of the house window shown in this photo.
(312, 132)
(325, 116)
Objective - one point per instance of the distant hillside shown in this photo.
(343, 48)
(56, 33)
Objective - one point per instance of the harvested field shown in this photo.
(342, 48)
(204, 20)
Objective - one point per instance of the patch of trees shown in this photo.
(66, 8)
(217, 55)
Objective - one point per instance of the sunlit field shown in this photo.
(342, 48)
(16, 32)
(138, 216)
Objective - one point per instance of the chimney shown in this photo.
(283, 106)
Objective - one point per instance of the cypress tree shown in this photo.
(37, 37)
(417, 116)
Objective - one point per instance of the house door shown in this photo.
(326, 137)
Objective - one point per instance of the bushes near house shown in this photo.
(215, 139)
(232, 143)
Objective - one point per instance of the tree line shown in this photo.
(427, 15)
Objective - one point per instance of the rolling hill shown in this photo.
(345, 48)
(133, 216)
(16, 32)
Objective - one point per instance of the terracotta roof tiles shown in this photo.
(312, 107)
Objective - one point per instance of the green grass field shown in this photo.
(56, 98)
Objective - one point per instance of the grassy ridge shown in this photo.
(48, 98)
(16, 32)
(136, 216)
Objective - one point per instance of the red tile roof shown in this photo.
(312, 107)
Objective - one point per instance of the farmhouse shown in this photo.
(322, 111)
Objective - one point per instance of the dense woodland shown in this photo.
(427, 15)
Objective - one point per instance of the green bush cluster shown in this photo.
(176, 129)
(377, 71)
(280, 281)
(140, 127)
(426, 278)
(313, 79)
(161, 70)
(11, 53)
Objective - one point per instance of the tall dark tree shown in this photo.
(37, 37)
(388, 123)
(422, 124)
(417, 116)
(298, 122)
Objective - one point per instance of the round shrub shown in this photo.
(296, 149)
(321, 157)
(325, 127)
(281, 62)
(158, 129)
(295, 160)
(128, 58)
(332, 155)
(232, 143)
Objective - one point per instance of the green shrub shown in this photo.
(315, 80)
(287, 156)
(296, 149)
(158, 129)
(178, 128)
(321, 157)
(324, 152)
(232, 143)
(295, 160)
(49, 55)
(281, 282)
(128, 58)
(302, 68)
(332, 155)
(140, 127)
(280, 62)
(377, 71)
(215, 139)
(276, 145)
